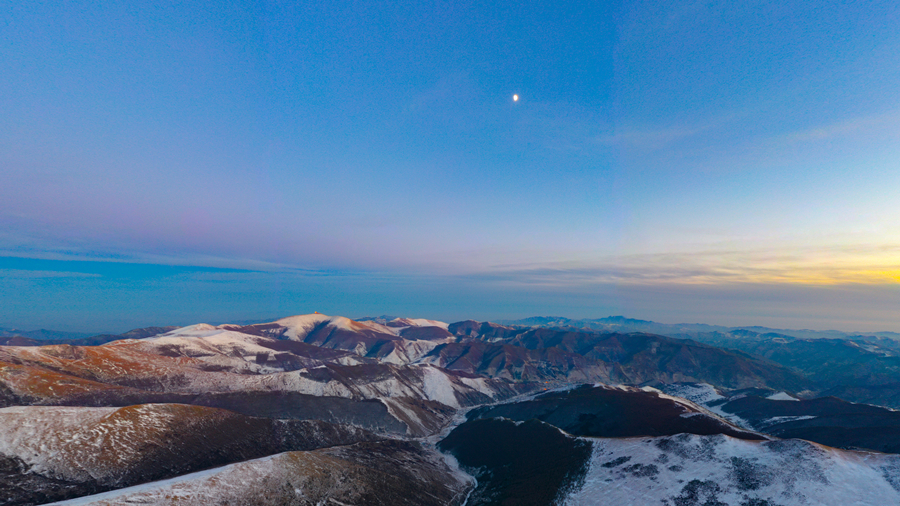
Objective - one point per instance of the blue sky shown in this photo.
(686, 161)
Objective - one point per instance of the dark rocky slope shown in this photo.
(826, 420)
(600, 411)
(545, 354)
(522, 464)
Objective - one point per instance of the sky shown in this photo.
(735, 163)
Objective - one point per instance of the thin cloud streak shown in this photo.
(11, 274)
(876, 265)
(870, 264)
(120, 297)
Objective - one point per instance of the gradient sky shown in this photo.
(723, 162)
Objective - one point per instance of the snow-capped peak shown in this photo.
(197, 327)
(417, 322)
(301, 325)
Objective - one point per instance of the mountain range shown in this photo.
(315, 409)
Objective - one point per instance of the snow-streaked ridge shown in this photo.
(704, 396)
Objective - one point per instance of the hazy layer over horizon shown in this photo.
(103, 296)
(734, 163)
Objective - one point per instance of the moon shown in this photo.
(515, 98)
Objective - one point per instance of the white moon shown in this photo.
(515, 98)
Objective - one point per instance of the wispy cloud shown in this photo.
(885, 122)
(9, 274)
(839, 265)
(652, 138)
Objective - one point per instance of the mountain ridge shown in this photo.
(672, 418)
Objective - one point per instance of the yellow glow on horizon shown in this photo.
(812, 267)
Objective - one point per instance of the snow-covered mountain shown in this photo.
(204, 364)
(317, 409)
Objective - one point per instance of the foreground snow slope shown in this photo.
(687, 470)
(103, 448)
(385, 473)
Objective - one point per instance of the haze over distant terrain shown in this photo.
(725, 162)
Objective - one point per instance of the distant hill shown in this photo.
(859, 367)
(623, 324)
(42, 334)
(22, 339)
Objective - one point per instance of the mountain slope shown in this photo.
(604, 411)
(83, 419)
(526, 464)
(689, 470)
(825, 420)
(44, 337)
(861, 367)
(635, 358)
(104, 448)
(386, 473)
(534, 463)
(201, 364)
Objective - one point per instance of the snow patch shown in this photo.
(702, 395)
(698, 393)
(782, 396)
(191, 328)
(438, 387)
(421, 322)
(301, 325)
(782, 419)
